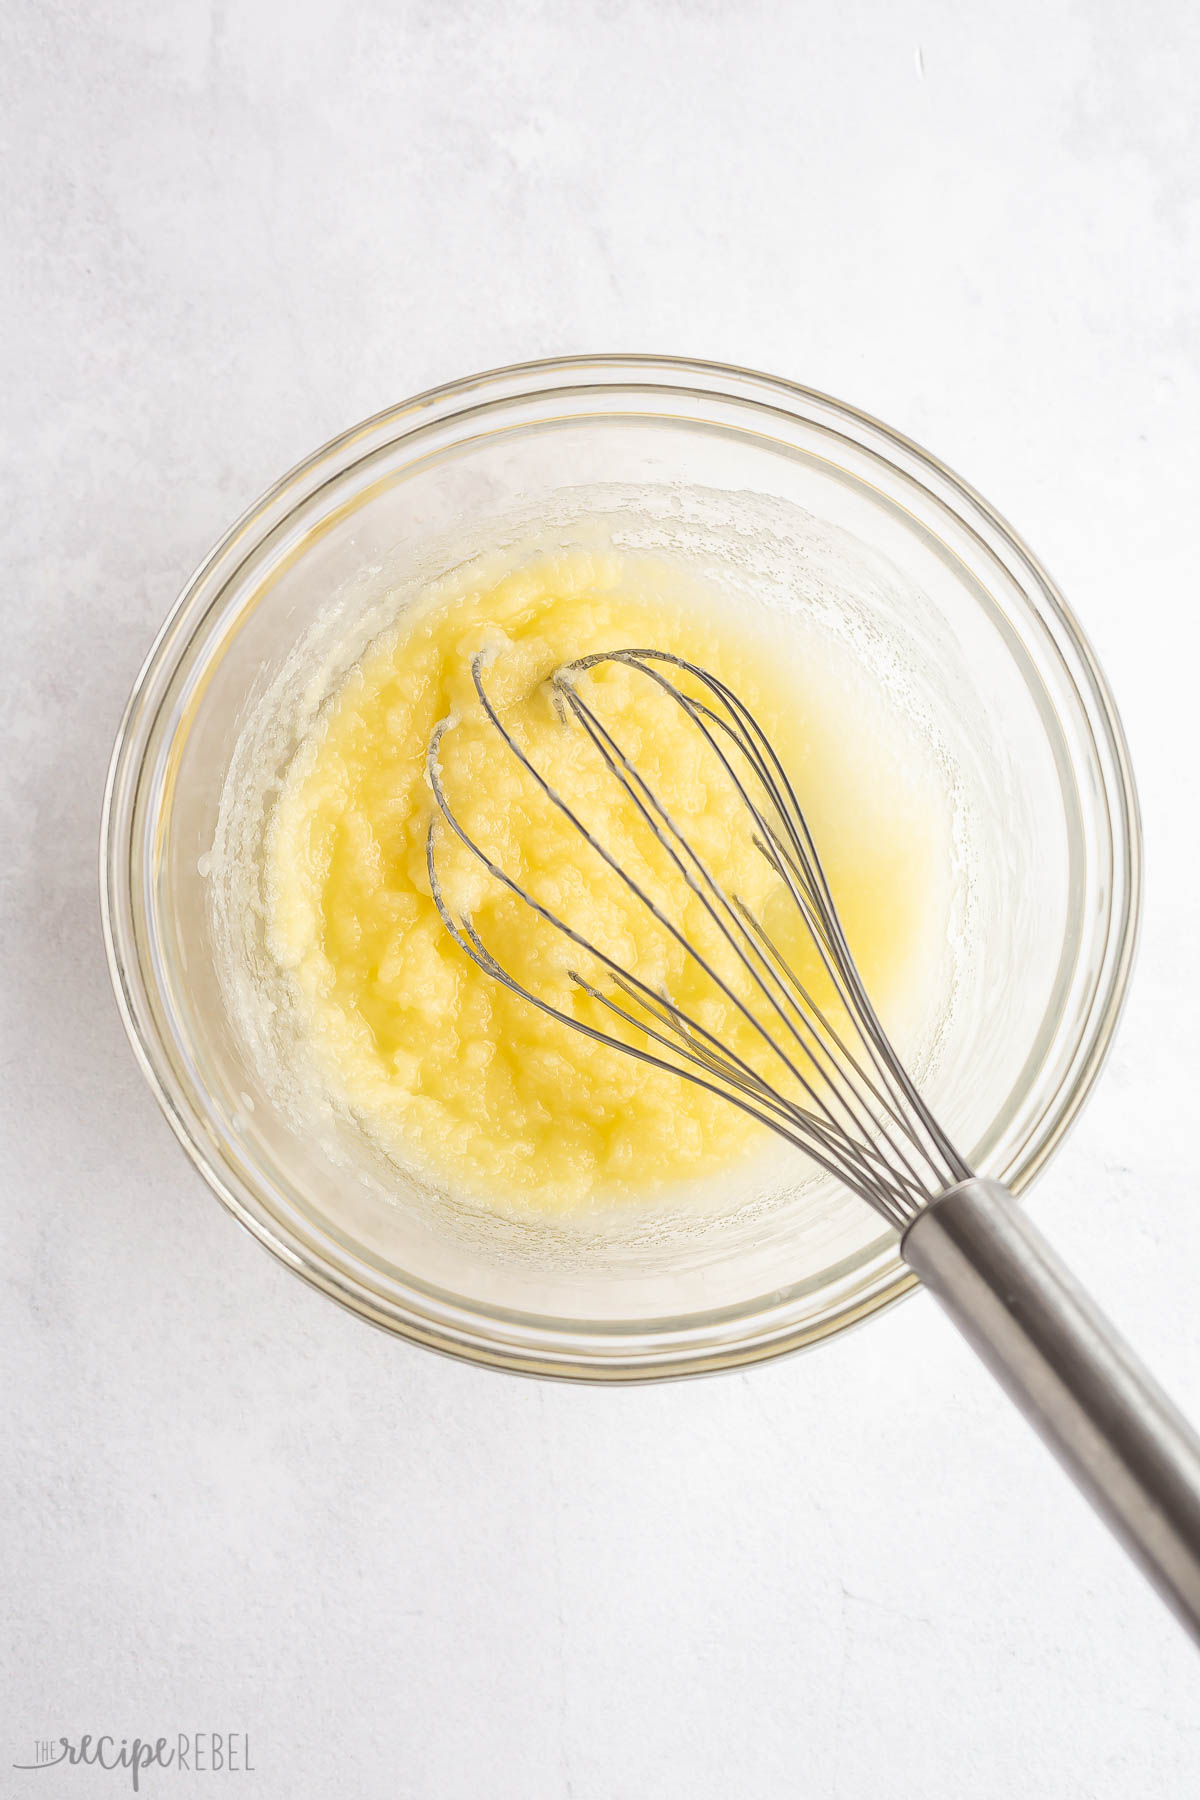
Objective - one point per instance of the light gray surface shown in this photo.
(232, 1507)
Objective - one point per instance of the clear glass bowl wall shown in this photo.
(751, 474)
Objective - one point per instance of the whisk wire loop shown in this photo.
(857, 1114)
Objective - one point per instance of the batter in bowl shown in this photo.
(440, 1065)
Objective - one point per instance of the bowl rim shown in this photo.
(120, 937)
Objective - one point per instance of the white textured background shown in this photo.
(236, 229)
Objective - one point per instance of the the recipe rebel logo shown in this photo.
(198, 1753)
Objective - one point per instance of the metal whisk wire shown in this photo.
(858, 1116)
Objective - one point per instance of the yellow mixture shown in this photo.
(448, 1070)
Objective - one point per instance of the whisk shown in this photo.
(827, 1079)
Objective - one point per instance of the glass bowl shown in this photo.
(848, 521)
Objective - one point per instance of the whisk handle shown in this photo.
(1129, 1449)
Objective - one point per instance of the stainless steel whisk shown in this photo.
(841, 1094)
